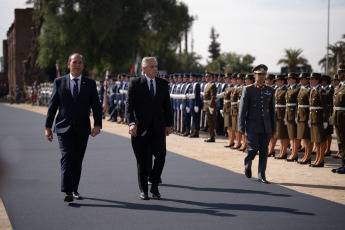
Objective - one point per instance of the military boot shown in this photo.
(195, 134)
(186, 133)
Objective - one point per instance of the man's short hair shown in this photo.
(78, 54)
(145, 59)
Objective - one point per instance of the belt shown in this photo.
(339, 108)
(313, 107)
(234, 103)
(280, 106)
(291, 104)
(207, 101)
(303, 106)
(227, 101)
(190, 96)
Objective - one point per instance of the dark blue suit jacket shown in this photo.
(70, 112)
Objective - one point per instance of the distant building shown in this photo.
(17, 48)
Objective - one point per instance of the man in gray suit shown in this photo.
(257, 119)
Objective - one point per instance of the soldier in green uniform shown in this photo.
(290, 114)
(235, 99)
(226, 109)
(280, 108)
(210, 105)
(303, 130)
(318, 117)
(338, 117)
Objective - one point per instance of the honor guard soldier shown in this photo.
(326, 85)
(257, 119)
(112, 109)
(173, 100)
(179, 120)
(280, 107)
(185, 104)
(290, 114)
(338, 117)
(220, 94)
(194, 103)
(203, 83)
(210, 105)
(303, 130)
(318, 117)
(226, 109)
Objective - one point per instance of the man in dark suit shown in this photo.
(149, 117)
(257, 119)
(73, 95)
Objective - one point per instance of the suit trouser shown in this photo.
(257, 142)
(186, 119)
(72, 147)
(144, 147)
(340, 131)
(196, 119)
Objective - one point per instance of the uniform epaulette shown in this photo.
(249, 85)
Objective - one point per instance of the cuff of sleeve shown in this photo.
(132, 123)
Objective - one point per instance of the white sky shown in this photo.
(262, 28)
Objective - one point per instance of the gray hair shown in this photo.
(145, 59)
(78, 54)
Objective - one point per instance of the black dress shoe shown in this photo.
(68, 198)
(77, 196)
(155, 192)
(211, 139)
(336, 170)
(317, 166)
(291, 160)
(264, 181)
(328, 154)
(233, 147)
(283, 157)
(144, 196)
(313, 153)
(304, 162)
(248, 173)
(341, 170)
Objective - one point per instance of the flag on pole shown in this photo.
(57, 69)
(133, 69)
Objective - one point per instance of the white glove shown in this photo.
(309, 124)
(296, 120)
(114, 102)
(325, 125)
(187, 109)
(222, 113)
(285, 122)
(119, 102)
(211, 110)
(196, 109)
(181, 107)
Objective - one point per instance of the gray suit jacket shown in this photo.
(257, 108)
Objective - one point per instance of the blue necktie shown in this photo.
(152, 90)
(75, 90)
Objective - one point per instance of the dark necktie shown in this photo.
(75, 90)
(152, 90)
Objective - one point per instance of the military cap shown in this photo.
(227, 75)
(193, 75)
(221, 75)
(269, 76)
(335, 77)
(249, 76)
(123, 75)
(179, 75)
(304, 75)
(341, 68)
(186, 75)
(326, 78)
(216, 75)
(280, 77)
(128, 76)
(292, 75)
(315, 75)
(260, 69)
(101, 81)
(240, 76)
(165, 76)
(209, 73)
(200, 76)
(234, 75)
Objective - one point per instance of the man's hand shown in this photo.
(133, 130)
(95, 131)
(167, 131)
(49, 134)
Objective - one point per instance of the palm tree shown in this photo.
(332, 59)
(292, 59)
(338, 50)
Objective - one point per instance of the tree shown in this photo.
(189, 63)
(338, 50)
(292, 59)
(232, 62)
(214, 47)
(110, 33)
